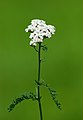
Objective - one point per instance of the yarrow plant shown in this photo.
(39, 30)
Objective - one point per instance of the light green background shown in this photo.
(63, 68)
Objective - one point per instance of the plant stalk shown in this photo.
(39, 66)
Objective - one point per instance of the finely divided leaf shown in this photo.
(16, 101)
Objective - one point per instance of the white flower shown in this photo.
(37, 22)
(39, 30)
(32, 43)
(51, 29)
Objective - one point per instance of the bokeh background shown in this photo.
(63, 68)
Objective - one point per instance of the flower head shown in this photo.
(39, 30)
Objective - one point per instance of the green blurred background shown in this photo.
(63, 68)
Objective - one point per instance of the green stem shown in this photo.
(39, 99)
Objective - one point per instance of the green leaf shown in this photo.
(44, 48)
(54, 97)
(18, 100)
(52, 93)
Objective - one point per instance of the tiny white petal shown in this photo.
(32, 43)
(26, 30)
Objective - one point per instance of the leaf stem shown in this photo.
(39, 98)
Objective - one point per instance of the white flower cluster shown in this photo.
(39, 30)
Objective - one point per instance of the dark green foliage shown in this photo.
(44, 48)
(29, 95)
(32, 96)
(52, 93)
